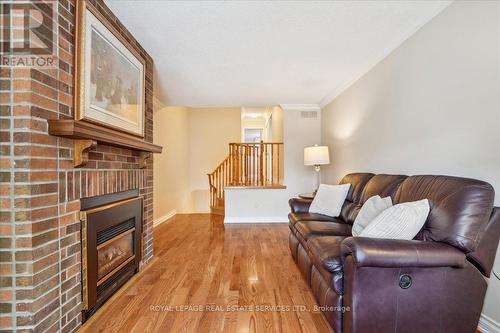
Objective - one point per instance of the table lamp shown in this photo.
(317, 156)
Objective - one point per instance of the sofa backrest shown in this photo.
(358, 182)
(460, 208)
(383, 185)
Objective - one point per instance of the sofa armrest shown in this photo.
(377, 252)
(299, 205)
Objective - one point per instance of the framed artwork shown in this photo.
(109, 75)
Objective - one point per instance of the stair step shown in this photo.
(217, 210)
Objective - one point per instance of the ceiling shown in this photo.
(251, 113)
(255, 53)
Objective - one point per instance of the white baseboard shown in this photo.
(488, 325)
(260, 219)
(164, 218)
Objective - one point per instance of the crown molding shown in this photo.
(344, 86)
(300, 107)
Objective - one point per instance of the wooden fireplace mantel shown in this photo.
(87, 135)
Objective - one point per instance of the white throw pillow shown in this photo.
(329, 199)
(401, 221)
(370, 210)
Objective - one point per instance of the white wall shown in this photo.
(211, 130)
(264, 205)
(195, 141)
(431, 107)
(171, 168)
(277, 123)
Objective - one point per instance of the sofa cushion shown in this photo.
(370, 210)
(460, 208)
(327, 250)
(328, 300)
(309, 228)
(329, 199)
(327, 257)
(306, 229)
(358, 182)
(402, 221)
(295, 217)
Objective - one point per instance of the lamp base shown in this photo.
(317, 178)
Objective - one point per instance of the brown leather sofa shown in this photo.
(434, 283)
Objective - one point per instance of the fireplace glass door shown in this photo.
(114, 252)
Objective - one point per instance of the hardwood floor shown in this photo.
(234, 270)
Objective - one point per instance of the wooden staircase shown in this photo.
(252, 165)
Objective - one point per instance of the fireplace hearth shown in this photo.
(111, 245)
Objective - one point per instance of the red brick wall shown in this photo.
(40, 255)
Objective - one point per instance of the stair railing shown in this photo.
(257, 164)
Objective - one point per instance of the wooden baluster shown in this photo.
(268, 162)
(278, 158)
(249, 175)
(255, 167)
(249, 178)
(210, 189)
(275, 166)
(272, 163)
(245, 170)
(247, 157)
(235, 165)
(261, 164)
(240, 162)
(265, 165)
(250, 165)
(250, 157)
(250, 169)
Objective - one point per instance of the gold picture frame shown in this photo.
(109, 75)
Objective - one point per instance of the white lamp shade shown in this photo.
(316, 155)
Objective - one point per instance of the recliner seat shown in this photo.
(387, 284)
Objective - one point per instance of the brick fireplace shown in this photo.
(40, 191)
